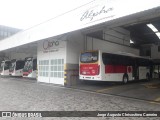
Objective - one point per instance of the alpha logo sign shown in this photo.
(91, 14)
(97, 12)
(48, 44)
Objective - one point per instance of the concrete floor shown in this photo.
(149, 91)
(27, 95)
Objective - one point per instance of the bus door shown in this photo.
(135, 71)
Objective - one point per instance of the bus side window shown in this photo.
(106, 58)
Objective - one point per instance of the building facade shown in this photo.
(7, 31)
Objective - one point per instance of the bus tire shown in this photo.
(125, 79)
(148, 77)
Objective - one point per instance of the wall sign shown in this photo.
(48, 44)
(91, 14)
(94, 13)
(49, 51)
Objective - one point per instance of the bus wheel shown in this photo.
(147, 77)
(125, 79)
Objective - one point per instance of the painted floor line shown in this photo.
(155, 103)
(152, 86)
(105, 89)
(157, 99)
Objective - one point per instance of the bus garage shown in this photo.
(99, 25)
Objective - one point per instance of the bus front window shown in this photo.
(7, 65)
(87, 68)
(27, 66)
(1, 67)
(89, 57)
(13, 64)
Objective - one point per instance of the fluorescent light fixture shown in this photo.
(131, 42)
(154, 29)
(158, 34)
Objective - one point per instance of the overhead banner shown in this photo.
(93, 13)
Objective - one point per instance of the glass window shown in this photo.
(57, 68)
(59, 61)
(7, 65)
(44, 68)
(89, 57)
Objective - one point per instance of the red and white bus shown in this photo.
(4, 68)
(16, 68)
(100, 66)
(30, 67)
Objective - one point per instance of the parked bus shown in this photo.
(30, 67)
(4, 68)
(124, 67)
(16, 68)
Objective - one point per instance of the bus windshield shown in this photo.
(89, 57)
(27, 66)
(7, 65)
(1, 67)
(13, 63)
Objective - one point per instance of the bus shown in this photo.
(30, 67)
(16, 68)
(4, 68)
(123, 67)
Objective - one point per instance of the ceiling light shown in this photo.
(158, 34)
(154, 29)
(131, 42)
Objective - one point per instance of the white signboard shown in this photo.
(96, 12)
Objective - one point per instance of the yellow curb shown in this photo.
(65, 72)
(65, 81)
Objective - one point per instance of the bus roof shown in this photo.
(120, 53)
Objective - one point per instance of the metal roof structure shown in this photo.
(142, 34)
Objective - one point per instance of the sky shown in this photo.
(24, 14)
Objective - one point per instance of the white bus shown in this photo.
(16, 68)
(30, 67)
(4, 68)
(100, 66)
